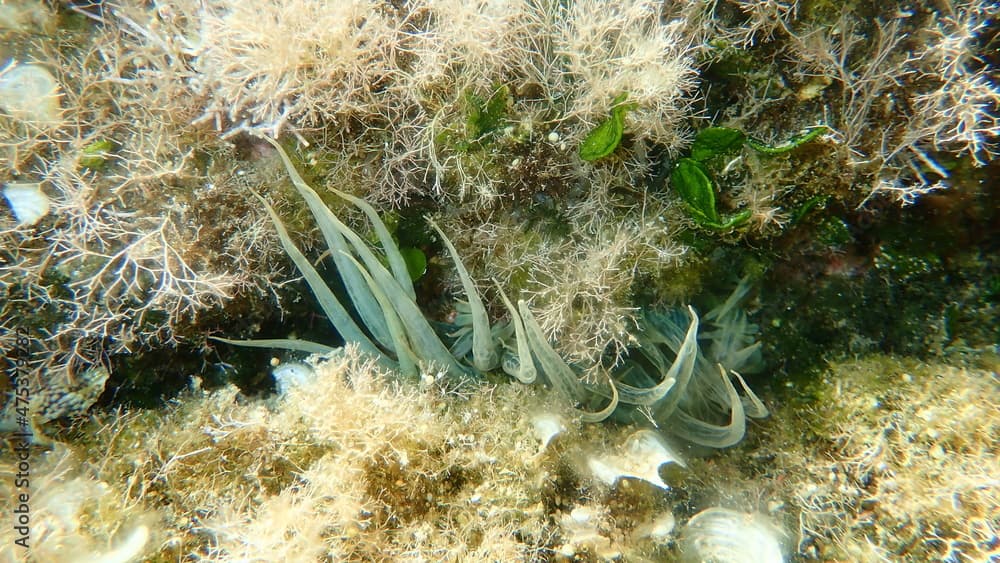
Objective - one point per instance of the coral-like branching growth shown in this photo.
(122, 260)
(906, 91)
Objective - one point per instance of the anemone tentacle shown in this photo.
(665, 379)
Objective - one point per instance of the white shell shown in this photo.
(727, 536)
(292, 374)
(130, 549)
(660, 529)
(26, 17)
(547, 426)
(30, 93)
(581, 530)
(27, 201)
(645, 451)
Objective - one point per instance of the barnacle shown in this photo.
(665, 379)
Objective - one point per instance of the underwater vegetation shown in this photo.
(476, 111)
(692, 181)
(900, 461)
(606, 137)
(352, 464)
(635, 233)
(683, 396)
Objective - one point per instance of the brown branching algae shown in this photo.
(518, 280)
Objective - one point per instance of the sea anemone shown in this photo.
(665, 379)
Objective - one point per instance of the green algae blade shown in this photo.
(715, 140)
(691, 181)
(605, 138)
(802, 138)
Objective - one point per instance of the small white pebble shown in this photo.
(291, 374)
(662, 528)
(582, 515)
(567, 550)
(848, 491)
(937, 451)
(27, 201)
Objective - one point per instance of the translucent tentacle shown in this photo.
(361, 298)
(712, 435)
(404, 354)
(485, 355)
(392, 254)
(334, 311)
(526, 372)
(560, 375)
